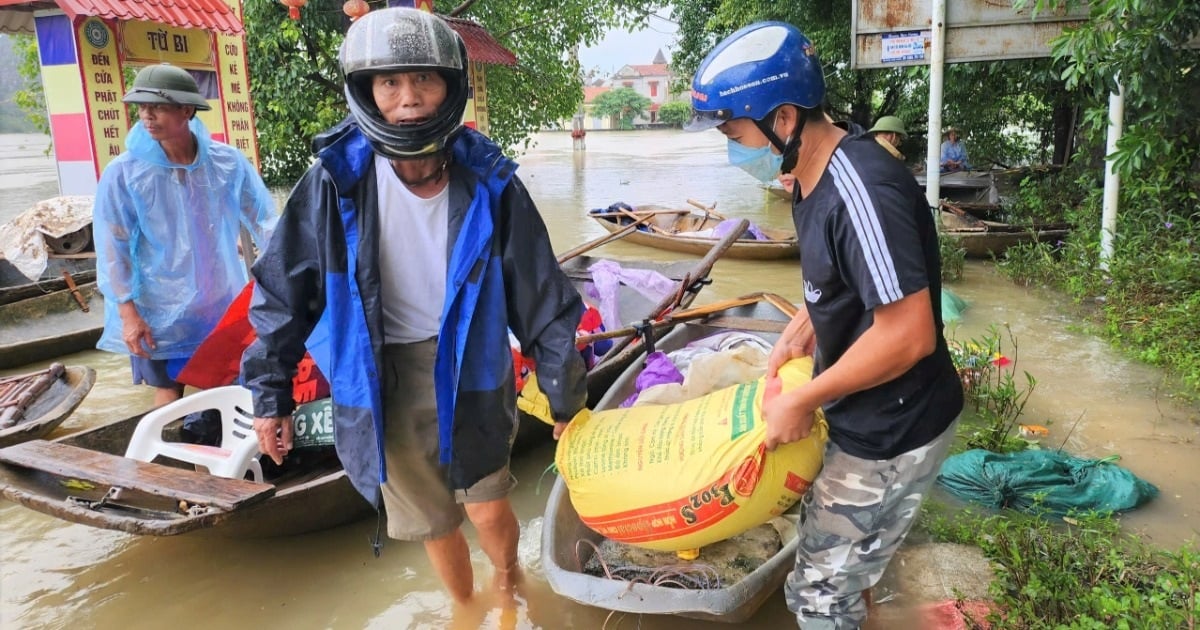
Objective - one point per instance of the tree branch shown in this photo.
(318, 78)
(458, 10)
(527, 26)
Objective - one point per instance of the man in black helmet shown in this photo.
(166, 222)
(407, 253)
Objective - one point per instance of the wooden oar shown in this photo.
(708, 209)
(633, 216)
(698, 312)
(972, 220)
(672, 319)
(607, 238)
(647, 213)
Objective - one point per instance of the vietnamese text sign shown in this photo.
(235, 91)
(152, 42)
(976, 30)
(103, 90)
(907, 46)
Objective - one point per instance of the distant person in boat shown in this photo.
(871, 316)
(954, 153)
(406, 254)
(166, 221)
(889, 132)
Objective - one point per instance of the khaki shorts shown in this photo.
(417, 496)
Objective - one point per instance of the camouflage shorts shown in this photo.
(853, 520)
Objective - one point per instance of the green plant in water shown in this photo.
(995, 395)
(1081, 572)
(954, 256)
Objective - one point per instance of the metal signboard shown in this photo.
(889, 33)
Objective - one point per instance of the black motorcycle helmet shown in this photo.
(404, 40)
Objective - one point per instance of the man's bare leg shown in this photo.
(164, 395)
(498, 533)
(451, 558)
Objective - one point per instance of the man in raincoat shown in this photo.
(889, 132)
(404, 256)
(166, 222)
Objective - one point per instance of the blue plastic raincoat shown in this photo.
(166, 238)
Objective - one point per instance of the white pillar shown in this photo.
(1112, 181)
(937, 51)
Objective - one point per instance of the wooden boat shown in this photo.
(988, 239)
(965, 186)
(32, 405)
(51, 325)
(15, 287)
(84, 478)
(564, 557)
(689, 232)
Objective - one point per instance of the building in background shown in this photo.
(652, 80)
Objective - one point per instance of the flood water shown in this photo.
(57, 575)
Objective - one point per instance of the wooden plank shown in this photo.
(73, 462)
(746, 323)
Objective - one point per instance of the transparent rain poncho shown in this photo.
(167, 234)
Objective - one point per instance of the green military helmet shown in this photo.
(887, 124)
(166, 84)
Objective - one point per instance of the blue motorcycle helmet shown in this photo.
(751, 73)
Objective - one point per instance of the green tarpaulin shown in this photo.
(1043, 481)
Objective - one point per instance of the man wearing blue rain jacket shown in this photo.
(403, 257)
(166, 223)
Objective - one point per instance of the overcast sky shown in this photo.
(620, 48)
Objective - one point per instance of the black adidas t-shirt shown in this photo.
(867, 238)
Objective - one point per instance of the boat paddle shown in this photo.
(692, 314)
(607, 238)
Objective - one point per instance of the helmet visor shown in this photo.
(707, 119)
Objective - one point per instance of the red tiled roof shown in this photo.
(213, 15)
(591, 92)
(481, 46)
(652, 69)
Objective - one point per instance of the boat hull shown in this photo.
(319, 499)
(562, 529)
(779, 249)
(52, 407)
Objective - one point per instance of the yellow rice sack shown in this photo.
(681, 476)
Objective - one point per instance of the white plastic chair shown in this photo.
(238, 451)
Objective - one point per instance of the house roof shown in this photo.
(591, 92)
(652, 69)
(481, 46)
(212, 15)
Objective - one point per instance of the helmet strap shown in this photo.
(790, 150)
(432, 177)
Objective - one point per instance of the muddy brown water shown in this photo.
(58, 575)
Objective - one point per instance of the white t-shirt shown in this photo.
(412, 257)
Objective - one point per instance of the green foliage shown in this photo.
(1009, 122)
(624, 103)
(30, 98)
(990, 388)
(675, 113)
(954, 257)
(297, 84)
(1081, 574)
